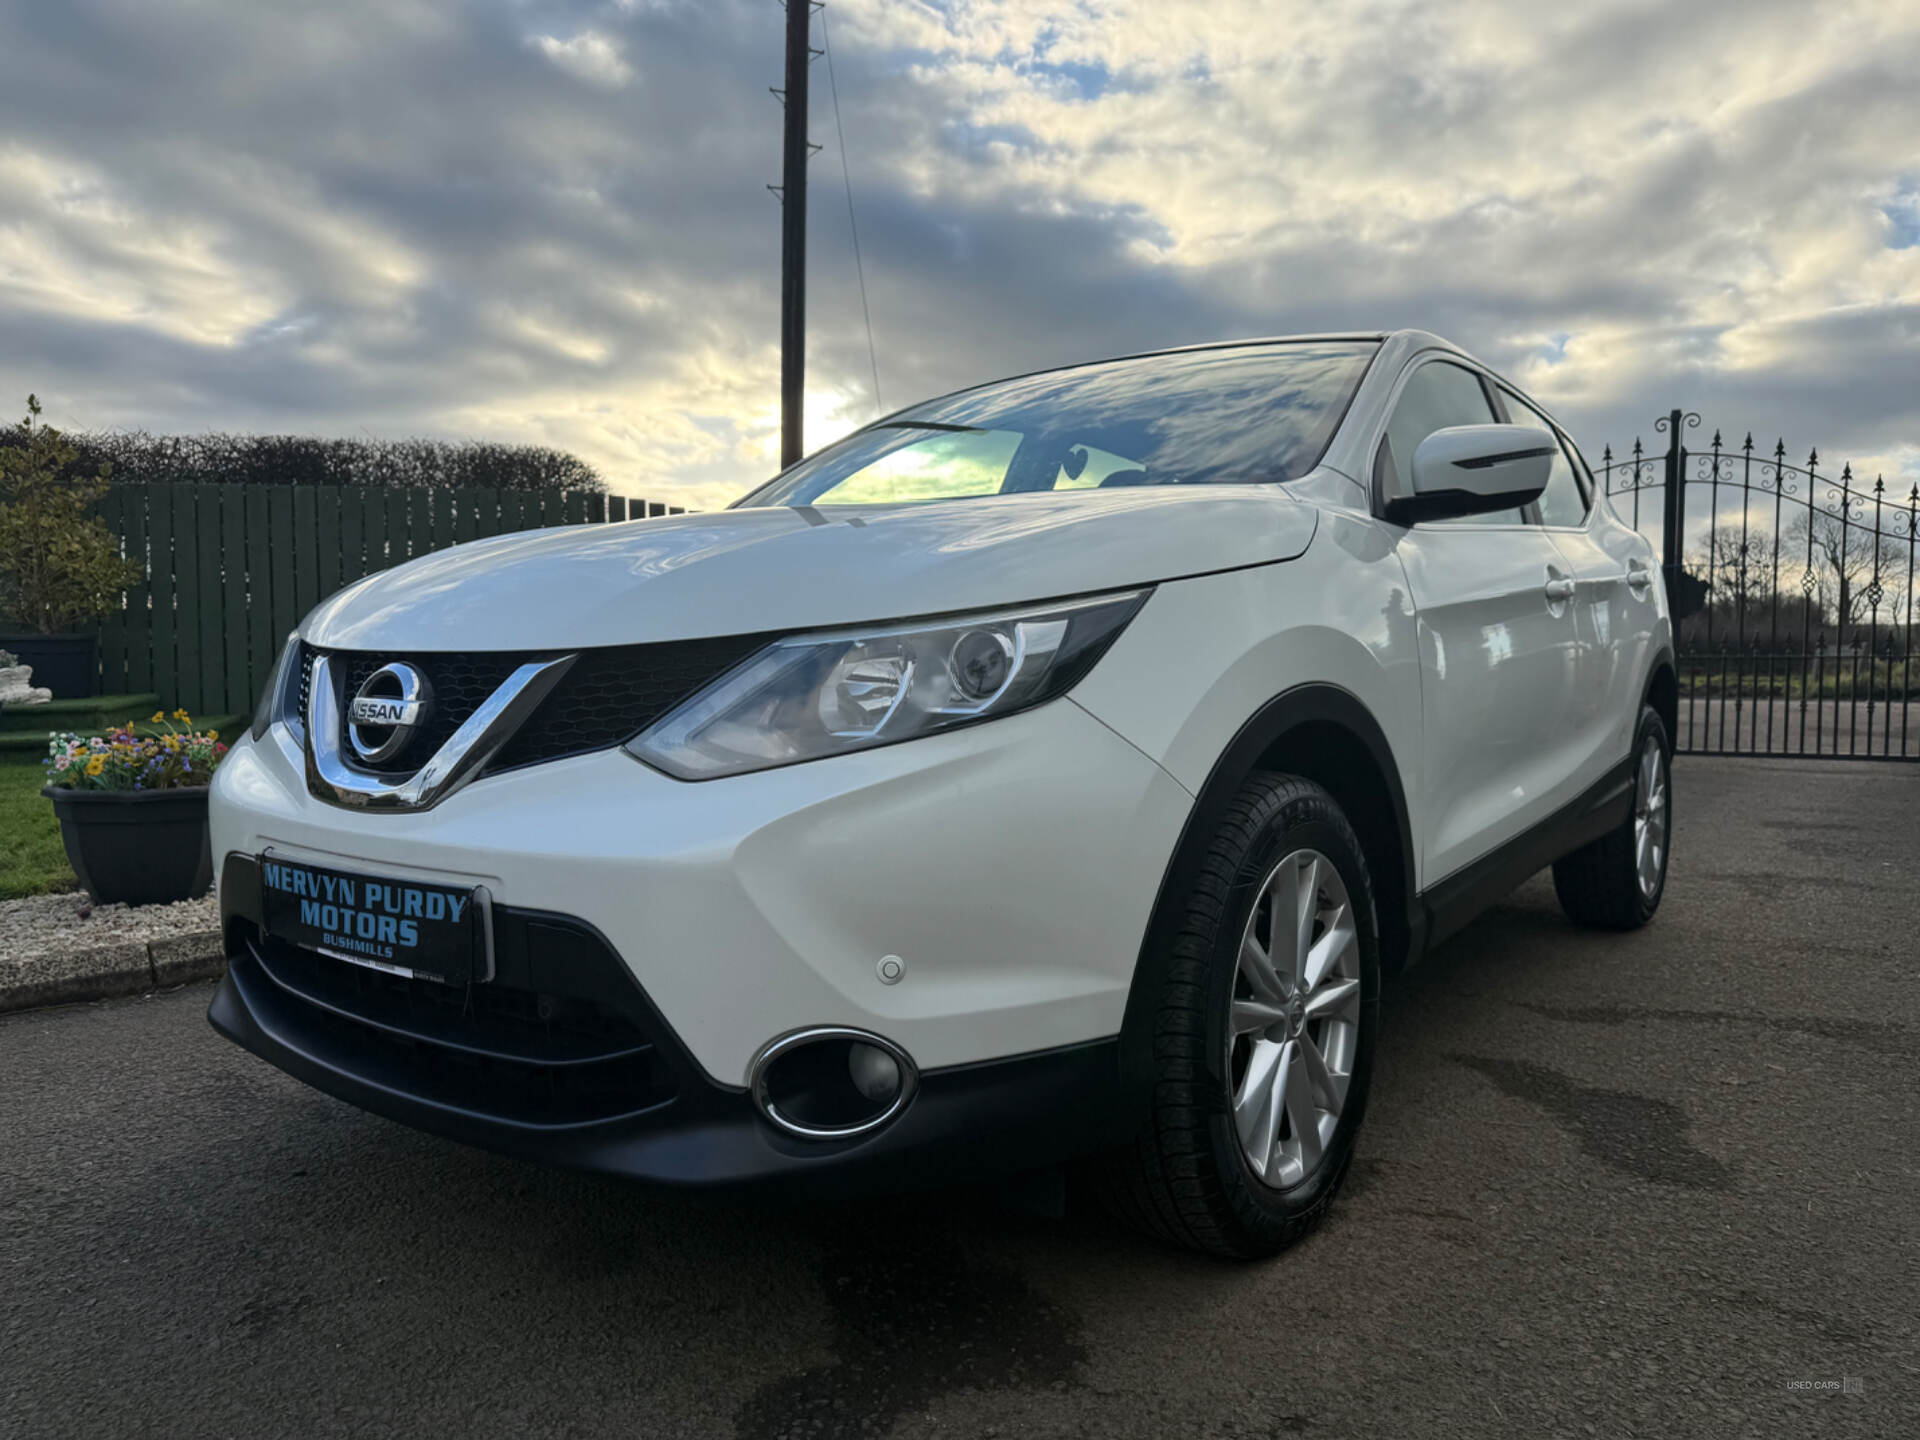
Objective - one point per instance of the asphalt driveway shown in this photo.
(1664, 1184)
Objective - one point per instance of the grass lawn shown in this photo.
(32, 861)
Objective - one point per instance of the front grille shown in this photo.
(609, 695)
(461, 684)
(525, 1056)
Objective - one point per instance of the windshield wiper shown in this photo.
(928, 425)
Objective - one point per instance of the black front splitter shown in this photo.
(965, 1122)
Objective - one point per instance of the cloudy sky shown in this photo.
(543, 220)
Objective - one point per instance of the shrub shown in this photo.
(60, 566)
(221, 459)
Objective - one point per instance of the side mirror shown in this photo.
(1475, 470)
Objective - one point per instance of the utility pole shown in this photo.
(793, 233)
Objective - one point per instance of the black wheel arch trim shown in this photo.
(1314, 702)
(1663, 660)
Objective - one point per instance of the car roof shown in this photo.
(1408, 341)
(1403, 342)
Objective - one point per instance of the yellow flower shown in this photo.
(158, 716)
(182, 716)
(213, 734)
(96, 765)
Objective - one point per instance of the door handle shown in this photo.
(1559, 591)
(1639, 576)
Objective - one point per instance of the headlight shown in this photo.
(810, 696)
(281, 699)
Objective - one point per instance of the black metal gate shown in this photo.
(1793, 596)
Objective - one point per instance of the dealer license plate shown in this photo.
(429, 932)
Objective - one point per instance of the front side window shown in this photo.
(1563, 502)
(1436, 396)
(1251, 414)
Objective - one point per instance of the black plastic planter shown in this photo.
(136, 847)
(62, 663)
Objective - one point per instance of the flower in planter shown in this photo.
(98, 782)
(175, 759)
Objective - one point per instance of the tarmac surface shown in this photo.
(1661, 1184)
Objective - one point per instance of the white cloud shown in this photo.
(588, 56)
(71, 246)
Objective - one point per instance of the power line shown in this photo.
(826, 45)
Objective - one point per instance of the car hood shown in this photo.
(740, 571)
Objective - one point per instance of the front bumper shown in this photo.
(587, 1075)
(1012, 867)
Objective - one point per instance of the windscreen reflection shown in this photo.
(1233, 415)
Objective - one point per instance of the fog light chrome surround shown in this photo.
(827, 1049)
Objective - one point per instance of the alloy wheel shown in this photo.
(1650, 817)
(1294, 1027)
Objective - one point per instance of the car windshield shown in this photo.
(1234, 415)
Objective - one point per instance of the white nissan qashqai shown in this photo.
(1045, 773)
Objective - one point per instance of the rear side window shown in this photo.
(1436, 396)
(1564, 501)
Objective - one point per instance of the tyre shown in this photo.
(1616, 882)
(1264, 1033)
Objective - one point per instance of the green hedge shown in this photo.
(221, 459)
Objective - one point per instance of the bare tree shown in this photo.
(1846, 559)
(1739, 568)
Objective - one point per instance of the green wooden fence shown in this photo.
(230, 569)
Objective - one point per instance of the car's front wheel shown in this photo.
(1263, 1041)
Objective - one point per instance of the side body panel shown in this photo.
(1515, 675)
(1206, 654)
(1499, 674)
(1621, 610)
